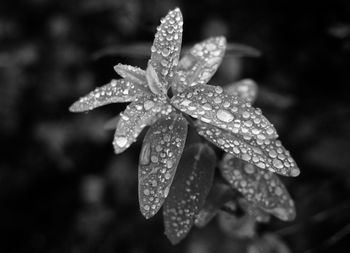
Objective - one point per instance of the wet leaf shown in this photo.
(211, 104)
(252, 210)
(116, 91)
(219, 194)
(140, 113)
(268, 154)
(246, 89)
(160, 154)
(153, 82)
(189, 190)
(132, 74)
(199, 64)
(260, 187)
(165, 51)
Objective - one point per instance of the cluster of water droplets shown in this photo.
(167, 46)
(211, 104)
(199, 64)
(265, 154)
(160, 154)
(142, 112)
(116, 91)
(260, 187)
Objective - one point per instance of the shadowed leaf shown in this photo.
(167, 46)
(261, 188)
(140, 113)
(111, 124)
(211, 104)
(189, 190)
(268, 154)
(116, 91)
(160, 154)
(199, 64)
(246, 89)
(219, 194)
(252, 210)
(239, 50)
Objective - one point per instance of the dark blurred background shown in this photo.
(61, 187)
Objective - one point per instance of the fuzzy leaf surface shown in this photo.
(189, 191)
(160, 154)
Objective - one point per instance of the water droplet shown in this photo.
(148, 104)
(277, 163)
(224, 115)
(121, 141)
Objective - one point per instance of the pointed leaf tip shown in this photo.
(166, 47)
(160, 154)
(189, 190)
(116, 91)
(267, 155)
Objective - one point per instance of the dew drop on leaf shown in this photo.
(189, 190)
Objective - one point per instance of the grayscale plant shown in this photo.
(182, 180)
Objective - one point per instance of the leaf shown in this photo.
(166, 47)
(254, 211)
(268, 243)
(153, 81)
(268, 154)
(219, 194)
(142, 112)
(132, 74)
(211, 104)
(239, 50)
(160, 154)
(199, 64)
(260, 187)
(116, 91)
(189, 190)
(246, 89)
(111, 124)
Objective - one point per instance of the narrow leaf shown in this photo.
(160, 154)
(153, 81)
(116, 91)
(189, 190)
(199, 64)
(239, 50)
(246, 89)
(167, 46)
(219, 194)
(111, 124)
(142, 112)
(132, 74)
(268, 154)
(211, 104)
(260, 187)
